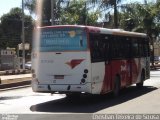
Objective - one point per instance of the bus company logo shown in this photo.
(123, 67)
(74, 63)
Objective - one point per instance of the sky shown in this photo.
(6, 5)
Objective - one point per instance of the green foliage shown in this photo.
(145, 18)
(30, 5)
(66, 11)
(132, 16)
(11, 27)
(81, 16)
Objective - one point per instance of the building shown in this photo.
(7, 59)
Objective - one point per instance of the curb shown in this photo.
(15, 82)
(23, 83)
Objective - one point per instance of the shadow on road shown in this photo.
(90, 103)
(10, 97)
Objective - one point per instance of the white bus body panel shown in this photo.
(98, 73)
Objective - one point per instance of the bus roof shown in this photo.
(93, 29)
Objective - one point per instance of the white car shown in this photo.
(28, 65)
(156, 59)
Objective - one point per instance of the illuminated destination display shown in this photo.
(62, 39)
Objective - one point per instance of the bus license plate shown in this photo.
(59, 77)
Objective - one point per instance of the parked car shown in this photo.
(156, 59)
(28, 65)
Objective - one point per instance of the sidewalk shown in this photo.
(8, 81)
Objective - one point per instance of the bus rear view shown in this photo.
(75, 59)
(61, 60)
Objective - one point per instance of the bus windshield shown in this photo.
(63, 39)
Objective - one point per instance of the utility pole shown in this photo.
(86, 13)
(23, 36)
(115, 14)
(53, 12)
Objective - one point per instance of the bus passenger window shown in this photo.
(98, 47)
(135, 48)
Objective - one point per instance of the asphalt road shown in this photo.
(27, 105)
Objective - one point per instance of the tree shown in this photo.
(81, 16)
(65, 11)
(107, 4)
(114, 3)
(46, 9)
(147, 20)
(11, 28)
(30, 5)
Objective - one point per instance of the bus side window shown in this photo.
(106, 47)
(99, 47)
(146, 47)
(120, 47)
(116, 50)
(141, 52)
(127, 47)
(95, 47)
(143, 47)
(135, 48)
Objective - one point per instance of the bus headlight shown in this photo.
(84, 76)
(86, 71)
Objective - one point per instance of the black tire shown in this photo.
(116, 89)
(140, 84)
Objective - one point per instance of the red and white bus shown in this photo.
(84, 59)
